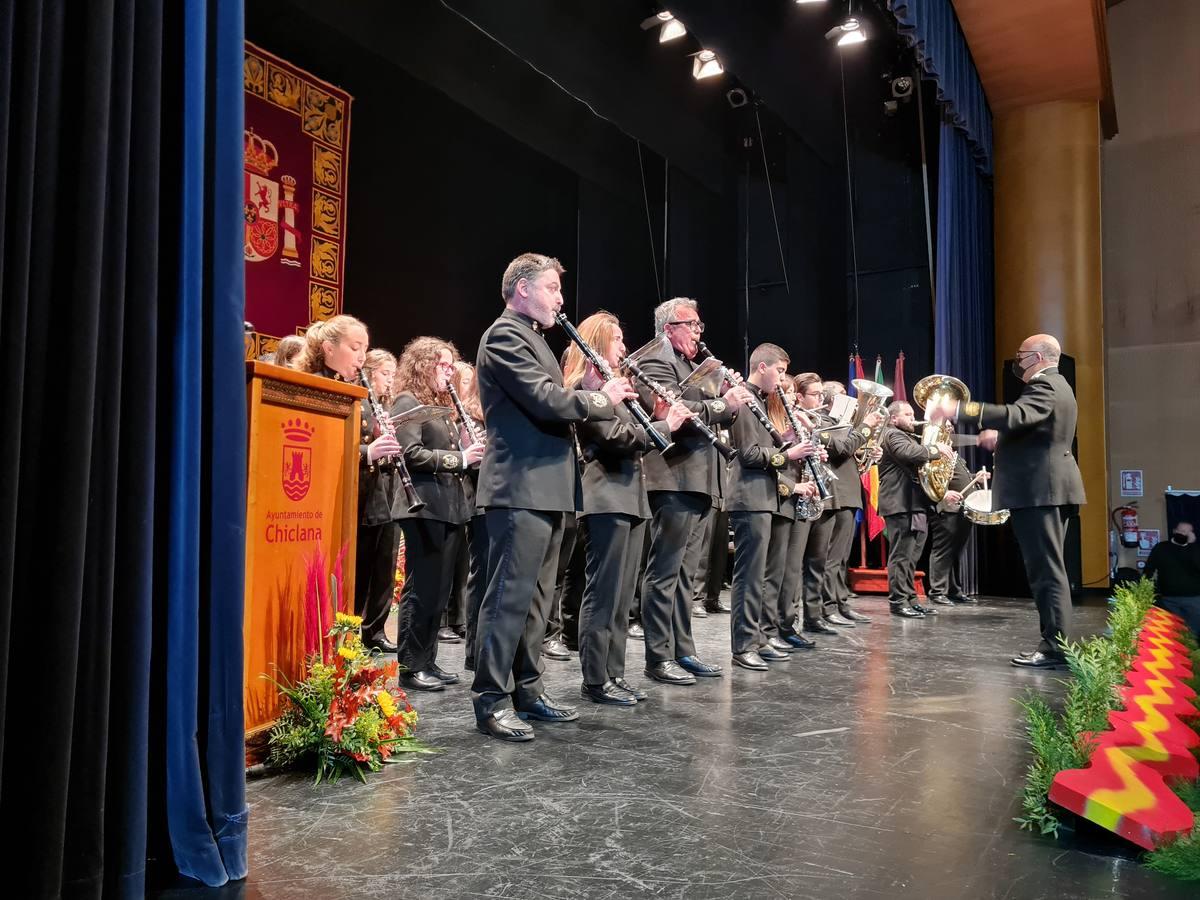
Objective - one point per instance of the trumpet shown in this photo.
(415, 503)
(601, 365)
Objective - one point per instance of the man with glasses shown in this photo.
(683, 489)
(1037, 478)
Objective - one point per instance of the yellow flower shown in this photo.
(386, 703)
(347, 653)
(347, 619)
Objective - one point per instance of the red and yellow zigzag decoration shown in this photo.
(1124, 787)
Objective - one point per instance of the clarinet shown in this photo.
(635, 408)
(820, 474)
(735, 379)
(664, 394)
(467, 421)
(415, 504)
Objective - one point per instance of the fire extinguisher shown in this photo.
(1126, 521)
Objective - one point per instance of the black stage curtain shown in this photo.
(94, 313)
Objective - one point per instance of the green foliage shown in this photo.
(1182, 858)
(1097, 668)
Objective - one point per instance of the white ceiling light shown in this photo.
(669, 27)
(705, 65)
(801, 2)
(849, 32)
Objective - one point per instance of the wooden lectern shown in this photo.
(301, 505)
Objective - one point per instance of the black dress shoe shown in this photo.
(670, 672)
(555, 649)
(421, 681)
(505, 725)
(819, 627)
(698, 667)
(698, 611)
(940, 600)
(780, 644)
(383, 645)
(607, 693)
(899, 609)
(442, 675)
(750, 660)
(636, 693)
(770, 654)
(1039, 660)
(635, 632)
(924, 610)
(719, 607)
(544, 709)
(960, 600)
(855, 616)
(839, 619)
(800, 643)
(448, 636)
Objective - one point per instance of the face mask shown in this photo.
(1018, 369)
(1179, 538)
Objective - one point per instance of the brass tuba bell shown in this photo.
(929, 393)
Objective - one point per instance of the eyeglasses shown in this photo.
(695, 324)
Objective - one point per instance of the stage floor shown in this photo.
(886, 764)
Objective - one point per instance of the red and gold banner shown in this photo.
(297, 144)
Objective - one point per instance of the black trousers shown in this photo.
(718, 559)
(905, 544)
(816, 553)
(613, 559)
(635, 611)
(948, 533)
(456, 609)
(477, 550)
(430, 553)
(1041, 531)
(375, 576)
(791, 588)
(554, 619)
(759, 561)
(572, 580)
(523, 547)
(835, 588)
(703, 556)
(667, 585)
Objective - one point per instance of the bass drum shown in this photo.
(977, 507)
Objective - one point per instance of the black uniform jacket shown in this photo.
(530, 458)
(759, 469)
(1034, 464)
(899, 488)
(692, 465)
(614, 480)
(841, 444)
(378, 483)
(435, 462)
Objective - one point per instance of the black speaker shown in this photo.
(1001, 569)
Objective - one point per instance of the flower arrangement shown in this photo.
(342, 711)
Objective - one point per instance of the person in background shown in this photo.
(289, 348)
(1175, 565)
(335, 348)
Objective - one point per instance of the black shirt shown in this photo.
(1178, 569)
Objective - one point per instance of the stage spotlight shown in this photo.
(849, 32)
(705, 65)
(902, 87)
(736, 97)
(802, 2)
(669, 27)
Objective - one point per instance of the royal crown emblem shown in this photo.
(263, 204)
(297, 458)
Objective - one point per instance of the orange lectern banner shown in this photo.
(301, 513)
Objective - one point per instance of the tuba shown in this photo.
(928, 393)
(872, 396)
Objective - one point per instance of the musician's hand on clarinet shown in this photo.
(988, 438)
(592, 379)
(383, 446)
(619, 390)
(802, 450)
(676, 414)
(473, 454)
(789, 435)
(945, 451)
(806, 489)
(736, 397)
(823, 454)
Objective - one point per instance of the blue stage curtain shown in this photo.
(205, 766)
(931, 28)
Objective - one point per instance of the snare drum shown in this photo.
(977, 507)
